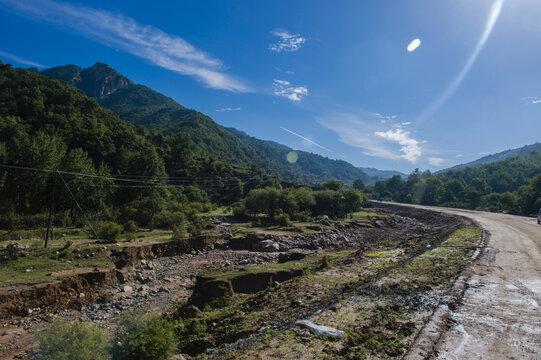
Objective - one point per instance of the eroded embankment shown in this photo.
(79, 289)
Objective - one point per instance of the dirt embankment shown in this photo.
(82, 288)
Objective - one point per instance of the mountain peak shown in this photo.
(98, 81)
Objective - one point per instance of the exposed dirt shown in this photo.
(161, 283)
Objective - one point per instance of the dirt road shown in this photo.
(500, 316)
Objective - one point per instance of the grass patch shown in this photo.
(41, 262)
(378, 254)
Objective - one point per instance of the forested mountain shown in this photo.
(382, 174)
(143, 106)
(46, 124)
(527, 149)
(308, 167)
(60, 151)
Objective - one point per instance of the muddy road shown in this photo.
(500, 315)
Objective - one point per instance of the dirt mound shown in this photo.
(58, 295)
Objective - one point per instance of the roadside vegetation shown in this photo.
(512, 185)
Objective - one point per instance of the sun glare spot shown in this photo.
(292, 157)
(414, 45)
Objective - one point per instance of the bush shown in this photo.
(109, 231)
(168, 220)
(239, 211)
(130, 227)
(78, 341)
(144, 337)
(282, 219)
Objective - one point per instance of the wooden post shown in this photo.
(51, 209)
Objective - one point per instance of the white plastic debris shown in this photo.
(319, 329)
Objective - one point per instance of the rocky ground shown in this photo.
(161, 284)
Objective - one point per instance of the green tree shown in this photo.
(72, 341)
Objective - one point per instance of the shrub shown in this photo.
(142, 337)
(168, 219)
(66, 341)
(239, 211)
(130, 227)
(109, 231)
(282, 219)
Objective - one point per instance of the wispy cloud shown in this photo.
(384, 118)
(289, 72)
(168, 51)
(308, 140)
(366, 131)
(21, 60)
(436, 161)
(285, 89)
(229, 109)
(532, 99)
(410, 149)
(287, 42)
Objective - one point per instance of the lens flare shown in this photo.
(451, 88)
(414, 45)
(292, 157)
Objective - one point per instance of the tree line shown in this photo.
(512, 185)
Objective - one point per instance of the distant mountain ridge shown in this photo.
(525, 150)
(319, 167)
(141, 105)
(382, 174)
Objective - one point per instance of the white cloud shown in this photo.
(367, 132)
(229, 109)
(287, 42)
(410, 147)
(21, 60)
(285, 89)
(532, 99)
(406, 123)
(147, 42)
(436, 161)
(289, 72)
(384, 118)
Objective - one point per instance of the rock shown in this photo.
(267, 245)
(291, 256)
(192, 311)
(81, 295)
(127, 288)
(143, 288)
(178, 357)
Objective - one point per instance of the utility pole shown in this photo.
(51, 209)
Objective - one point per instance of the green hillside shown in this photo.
(143, 106)
(46, 124)
(512, 185)
(525, 150)
(308, 168)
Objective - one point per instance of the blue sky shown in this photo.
(333, 78)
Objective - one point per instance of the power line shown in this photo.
(79, 206)
(133, 178)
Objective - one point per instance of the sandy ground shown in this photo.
(500, 315)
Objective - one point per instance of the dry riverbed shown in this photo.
(378, 280)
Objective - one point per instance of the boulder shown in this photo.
(267, 245)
